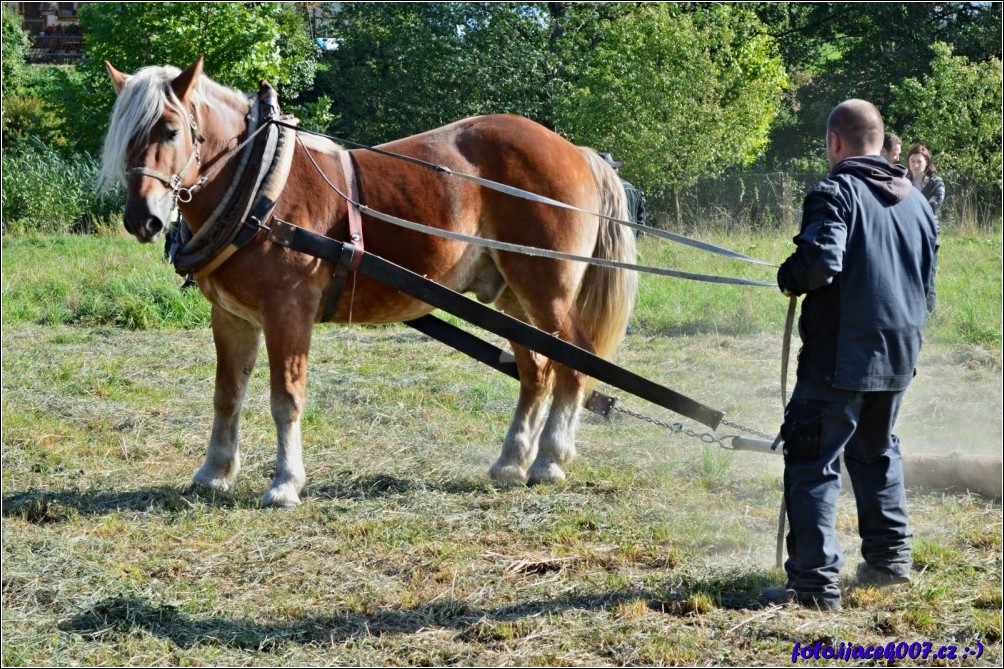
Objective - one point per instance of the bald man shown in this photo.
(864, 260)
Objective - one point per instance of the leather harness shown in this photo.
(248, 203)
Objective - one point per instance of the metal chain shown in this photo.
(706, 437)
(758, 433)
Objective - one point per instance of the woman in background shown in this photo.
(922, 174)
(931, 187)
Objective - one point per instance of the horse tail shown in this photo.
(607, 296)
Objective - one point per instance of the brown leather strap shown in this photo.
(355, 218)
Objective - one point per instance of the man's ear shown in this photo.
(834, 142)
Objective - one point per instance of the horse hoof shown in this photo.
(507, 476)
(282, 497)
(208, 486)
(549, 473)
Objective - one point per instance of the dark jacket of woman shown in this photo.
(933, 190)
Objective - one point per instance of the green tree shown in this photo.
(15, 48)
(955, 111)
(679, 92)
(403, 68)
(242, 43)
(44, 109)
(34, 96)
(834, 51)
(17, 107)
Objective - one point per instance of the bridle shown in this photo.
(181, 193)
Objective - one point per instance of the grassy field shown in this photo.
(653, 552)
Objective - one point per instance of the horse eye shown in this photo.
(172, 134)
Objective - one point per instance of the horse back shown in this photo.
(503, 148)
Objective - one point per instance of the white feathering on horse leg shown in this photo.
(290, 476)
(557, 442)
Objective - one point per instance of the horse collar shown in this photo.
(248, 201)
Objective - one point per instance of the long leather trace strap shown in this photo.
(534, 197)
(440, 297)
(528, 250)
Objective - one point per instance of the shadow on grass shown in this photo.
(349, 486)
(119, 617)
(699, 328)
(43, 506)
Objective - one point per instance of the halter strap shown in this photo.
(173, 181)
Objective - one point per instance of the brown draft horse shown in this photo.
(182, 123)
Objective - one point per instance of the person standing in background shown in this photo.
(891, 148)
(922, 174)
(932, 187)
(635, 200)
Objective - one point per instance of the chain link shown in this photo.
(706, 437)
(758, 433)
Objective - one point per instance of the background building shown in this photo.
(54, 30)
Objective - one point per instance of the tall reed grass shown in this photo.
(46, 192)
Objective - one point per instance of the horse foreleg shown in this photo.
(557, 440)
(287, 340)
(520, 445)
(236, 350)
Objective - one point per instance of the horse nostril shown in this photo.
(153, 225)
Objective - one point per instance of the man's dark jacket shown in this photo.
(865, 260)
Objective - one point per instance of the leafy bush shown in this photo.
(45, 192)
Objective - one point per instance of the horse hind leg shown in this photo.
(237, 343)
(520, 445)
(556, 445)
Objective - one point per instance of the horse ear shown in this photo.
(119, 79)
(185, 83)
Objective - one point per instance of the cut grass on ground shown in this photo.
(653, 552)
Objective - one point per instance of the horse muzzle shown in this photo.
(143, 221)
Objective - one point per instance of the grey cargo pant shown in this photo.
(822, 423)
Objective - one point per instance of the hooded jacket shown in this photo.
(865, 260)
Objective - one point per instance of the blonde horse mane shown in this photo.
(142, 101)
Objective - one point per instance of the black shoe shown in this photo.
(782, 595)
(879, 577)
